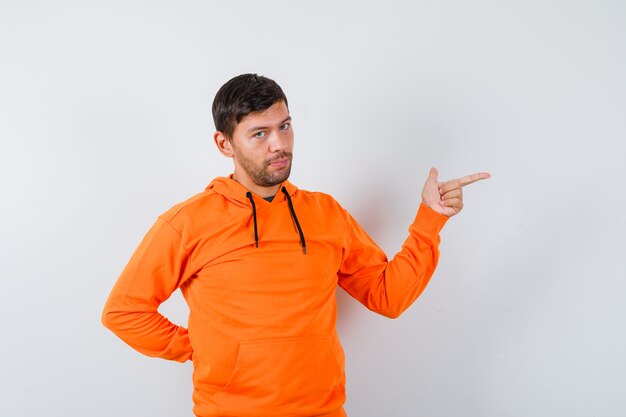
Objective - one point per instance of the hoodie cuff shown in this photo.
(179, 348)
(428, 222)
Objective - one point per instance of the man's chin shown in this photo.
(280, 177)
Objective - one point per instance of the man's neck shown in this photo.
(264, 192)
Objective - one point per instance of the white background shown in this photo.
(105, 123)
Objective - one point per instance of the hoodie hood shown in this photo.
(235, 192)
(238, 194)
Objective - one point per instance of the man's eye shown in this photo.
(285, 126)
(259, 134)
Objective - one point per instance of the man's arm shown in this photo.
(389, 288)
(157, 268)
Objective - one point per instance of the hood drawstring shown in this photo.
(293, 215)
(256, 232)
(295, 219)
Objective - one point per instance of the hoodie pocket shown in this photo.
(283, 375)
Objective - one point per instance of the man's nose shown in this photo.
(278, 142)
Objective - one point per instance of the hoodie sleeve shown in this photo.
(389, 288)
(158, 267)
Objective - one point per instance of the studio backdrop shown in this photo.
(106, 123)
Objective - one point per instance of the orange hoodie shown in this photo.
(262, 331)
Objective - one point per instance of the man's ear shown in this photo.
(223, 144)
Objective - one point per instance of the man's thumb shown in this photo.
(433, 174)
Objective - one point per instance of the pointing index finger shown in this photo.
(469, 179)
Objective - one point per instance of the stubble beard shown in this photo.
(260, 173)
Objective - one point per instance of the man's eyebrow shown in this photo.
(288, 119)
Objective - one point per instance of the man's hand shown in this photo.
(447, 197)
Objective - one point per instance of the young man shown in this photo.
(258, 261)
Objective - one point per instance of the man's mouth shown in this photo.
(280, 163)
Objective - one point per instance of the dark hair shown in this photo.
(242, 95)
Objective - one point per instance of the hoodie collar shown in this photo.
(234, 191)
(237, 193)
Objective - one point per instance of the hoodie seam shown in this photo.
(185, 204)
(182, 239)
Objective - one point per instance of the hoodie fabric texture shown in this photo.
(260, 280)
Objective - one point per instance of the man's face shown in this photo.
(262, 145)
